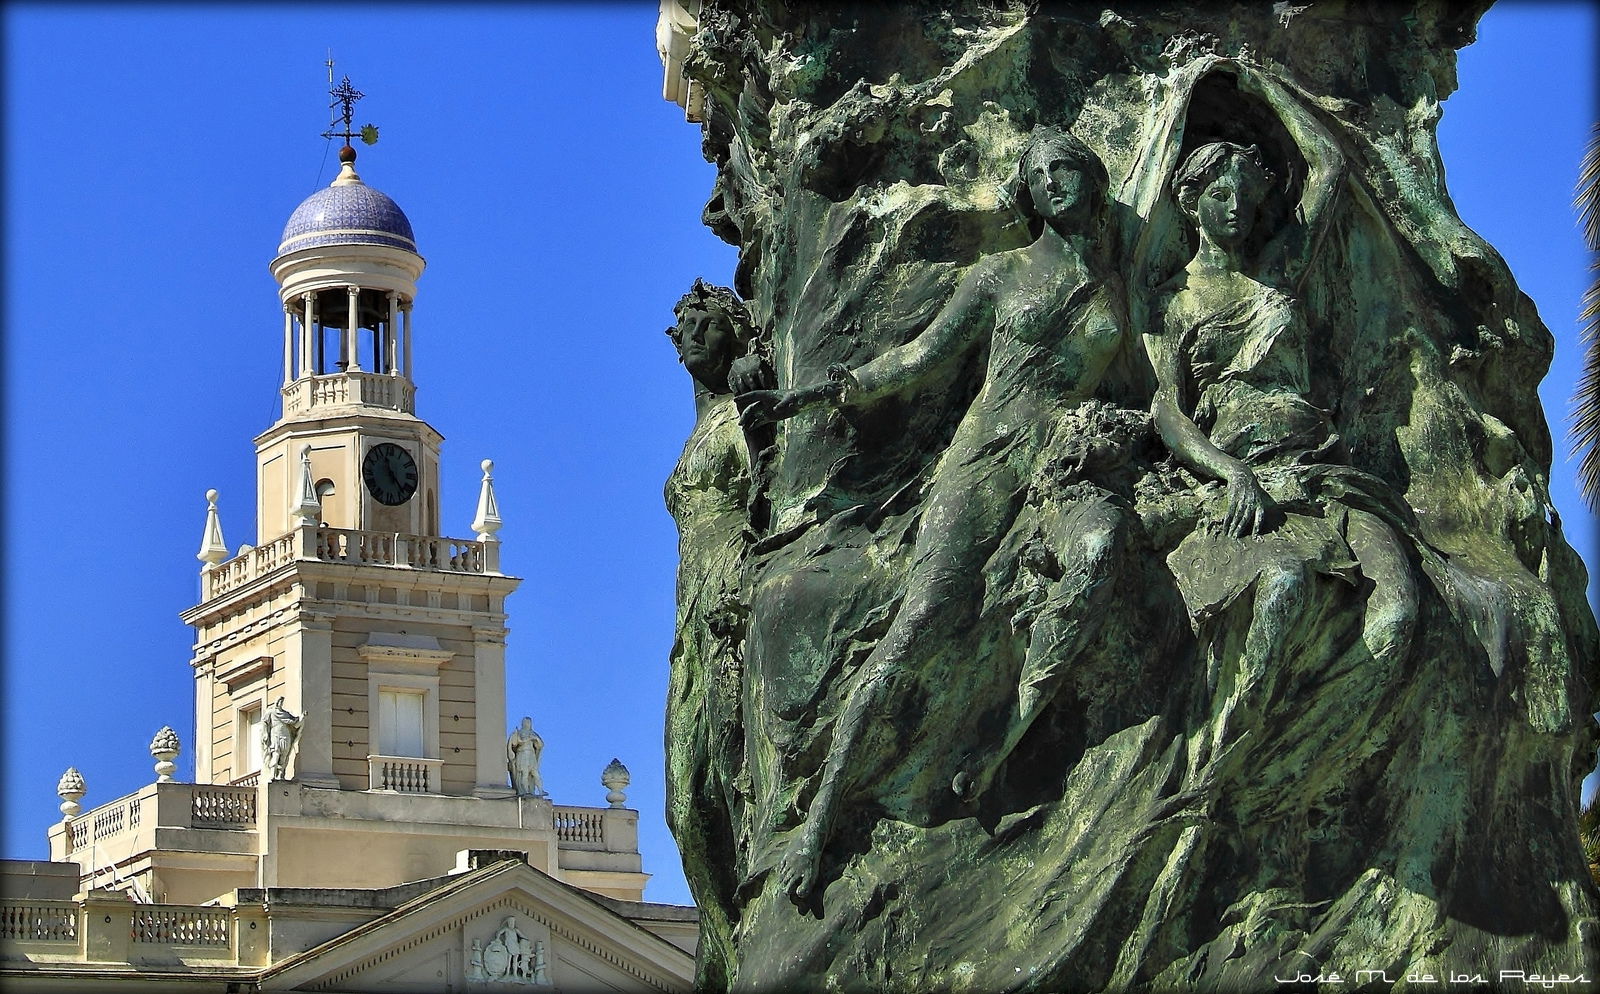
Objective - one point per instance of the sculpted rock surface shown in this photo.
(1116, 550)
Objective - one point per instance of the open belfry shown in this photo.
(360, 819)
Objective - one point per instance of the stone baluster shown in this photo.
(165, 747)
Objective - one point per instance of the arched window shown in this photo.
(326, 491)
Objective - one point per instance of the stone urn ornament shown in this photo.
(165, 748)
(71, 789)
(615, 778)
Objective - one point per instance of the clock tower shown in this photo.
(386, 638)
(350, 686)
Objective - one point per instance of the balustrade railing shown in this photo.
(214, 806)
(108, 820)
(248, 780)
(336, 389)
(578, 825)
(406, 774)
(39, 921)
(241, 569)
(180, 925)
(351, 545)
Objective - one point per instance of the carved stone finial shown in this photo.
(306, 508)
(487, 521)
(615, 778)
(71, 788)
(165, 748)
(213, 549)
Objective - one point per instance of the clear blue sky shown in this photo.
(153, 154)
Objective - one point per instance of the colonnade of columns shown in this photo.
(305, 347)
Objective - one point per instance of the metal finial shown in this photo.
(344, 104)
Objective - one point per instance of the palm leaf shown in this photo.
(1586, 398)
(1589, 832)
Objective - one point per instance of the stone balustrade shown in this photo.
(129, 823)
(243, 568)
(222, 807)
(406, 774)
(106, 927)
(349, 545)
(38, 921)
(180, 925)
(580, 827)
(342, 389)
(108, 821)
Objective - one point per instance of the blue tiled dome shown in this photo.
(347, 213)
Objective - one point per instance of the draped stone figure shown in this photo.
(1132, 568)
(280, 730)
(524, 747)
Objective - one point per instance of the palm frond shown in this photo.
(1587, 199)
(1589, 833)
(1586, 397)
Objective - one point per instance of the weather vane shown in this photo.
(344, 103)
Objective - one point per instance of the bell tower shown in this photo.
(350, 666)
(346, 271)
(386, 637)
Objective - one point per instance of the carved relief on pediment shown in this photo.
(507, 954)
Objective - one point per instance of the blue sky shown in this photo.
(153, 154)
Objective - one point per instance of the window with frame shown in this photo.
(248, 749)
(400, 725)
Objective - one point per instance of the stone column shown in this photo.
(489, 684)
(352, 338)
(407, 349)
(309, 347)
(288, 346)
(391, 330)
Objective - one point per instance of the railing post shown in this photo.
(107, 926)
(250, 941)
(620, 829)
(305, 539)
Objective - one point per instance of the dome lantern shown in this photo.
(346, 268)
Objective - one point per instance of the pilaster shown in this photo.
(489, 679)
(309, 653)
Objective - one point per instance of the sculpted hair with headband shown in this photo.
(1207, 162)
(710, 299)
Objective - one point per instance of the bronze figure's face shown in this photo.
(1059, 188)
(1226, 208)
(705, 341)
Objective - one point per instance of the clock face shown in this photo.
(390, 473)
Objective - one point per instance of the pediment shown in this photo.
(506, 928)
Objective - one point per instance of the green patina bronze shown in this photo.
(1115, 544)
